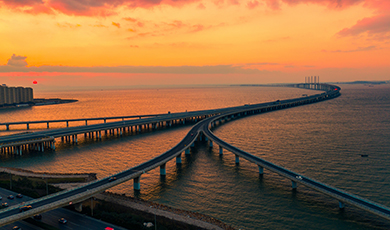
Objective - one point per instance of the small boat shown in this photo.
(364, 155)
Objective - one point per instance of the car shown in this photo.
(62, 220)
(299, 177)
(16, 228)
(10, 197)
(4, 204)
(38, 216)
(112, 179)
(19, 196)
(25, 208)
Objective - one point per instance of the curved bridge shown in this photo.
(79, 194)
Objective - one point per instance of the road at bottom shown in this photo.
(75, 221)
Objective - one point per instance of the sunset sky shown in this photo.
(100, 43)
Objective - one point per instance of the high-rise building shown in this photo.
(15, 95)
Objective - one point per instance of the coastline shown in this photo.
(39, 102)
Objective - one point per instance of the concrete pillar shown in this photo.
(178, 159)
(220, 150)
(78, 207)
(100, 135)
(137, 184)
(86, 122)
(163, 171)
(237, 159)
(67, 123)
(187, 151)
(105, 121)
(28, 126)
(261, 170)
(341, 205)
(75, 138)
(43, 148)
(193, 144)
(211, 143)
(293, 184)
(47, 124)
(7, 127)
(205, 138)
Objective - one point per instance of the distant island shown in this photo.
(51, 101)
(39, 102)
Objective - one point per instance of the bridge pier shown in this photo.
(261, 170)
(163, 171)
(137, 185)
(7, 127)
(294, 185)
(341, 205)
(28, 126)
(220, 150)
(67, 123)
(211, 144)
(187, 151)
(237, 160)
(178, 159)
(47, 124)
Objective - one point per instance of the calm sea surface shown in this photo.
(323, 141)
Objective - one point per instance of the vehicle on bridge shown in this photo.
(62, 220)
(25, 208)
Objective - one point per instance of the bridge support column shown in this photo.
(261, 170)
(86, 122)
(178, 159)
(67, 123)
(75, 138)
(220, 150)
(137, 185)
(28, 126)
(163, 171)
(78, 207)
(100, 135)
(187, 151)
(193, 144)
(7, 127)
(341, 205)
(211, 144)
(237, 159)
(47, 124)
(293, 184)
(205, 138)
(200, 137)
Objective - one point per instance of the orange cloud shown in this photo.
(252, 4)
(377, 25)
(86, 7)
(116, 24)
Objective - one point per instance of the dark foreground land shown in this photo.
(121, 210)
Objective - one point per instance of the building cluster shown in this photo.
(15, 95)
